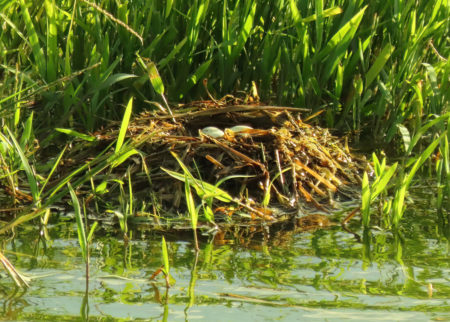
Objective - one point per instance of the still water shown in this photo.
(326, 274)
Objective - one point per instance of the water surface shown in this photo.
(326, 274)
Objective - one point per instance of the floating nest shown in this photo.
(264, 157)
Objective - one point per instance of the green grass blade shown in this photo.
(14, 27)
(111, 80)
(52, 46)
(27, 168)
(319, 23)
(121, 157)
(124, 125)
(27, 131)
(365, 200)
(325, 13)
(433, 78)
(155, 79)
(195, 77)
(77, 134)
(422, 158)
(190, 203)
(424, 129)
(380, 184)
(296, 16)
(406, 137)
(244, 33)
(203, 189)
(341, 37)
(80, 225)
(91, 231)
(36, 47)
(169, 4)
(376, 165)
(55, 165)
(163, 62)
(165, 256)
(379, 63)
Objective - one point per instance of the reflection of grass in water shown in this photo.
(307, 273)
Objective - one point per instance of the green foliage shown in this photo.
(14, 151)
(165, 260)
(370, 192)
(204, 190)
(192, 210)
(124, 125)
(400, 194)
(303, 53)
(82, 239)
(379, 69)
(81, 225)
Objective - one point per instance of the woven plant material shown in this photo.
(267, 154)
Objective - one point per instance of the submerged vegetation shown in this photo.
(70, 70)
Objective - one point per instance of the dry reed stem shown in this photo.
(119, 22)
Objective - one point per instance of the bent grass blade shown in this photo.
(19, 279)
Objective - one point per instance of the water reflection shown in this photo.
(317, 274)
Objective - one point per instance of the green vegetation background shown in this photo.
(374, 67)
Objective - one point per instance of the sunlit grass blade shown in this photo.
(325, 13)
(155, 79)
(399, 199)
(365, 200)
(19, 279)
(77, 134)
(124, 125)
(165, 259)
(338, 44)
(121, 157)
(341, 37)
(192, 210)
(267, 194)
(245, 32)
(203, 189)
(91, 232)
(319, 23)
(379, 64)
(406, 137)
(381, 182)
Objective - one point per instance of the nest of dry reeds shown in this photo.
(267, 152)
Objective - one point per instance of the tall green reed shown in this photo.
(394, 208)
(317, 54)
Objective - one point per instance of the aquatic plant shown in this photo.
(370, 192)
(83, 240)
(380, 71)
